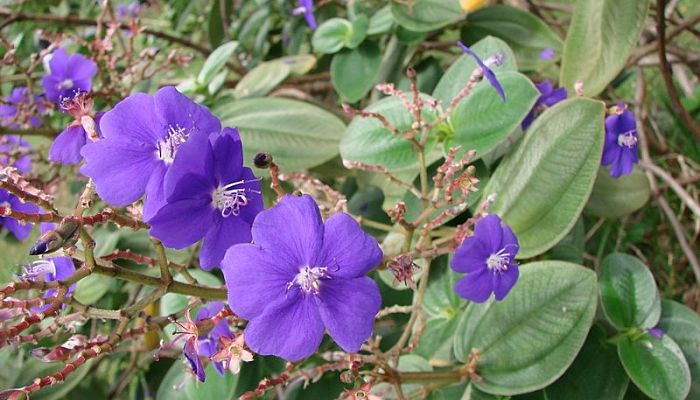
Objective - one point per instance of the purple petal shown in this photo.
(228, 156)
(476, 286)
(528, 120)
(656, 332)
(624, 164)
(19, 230)
(119, 167)
(488, 73)
(488, 229)
(348, 308)
(209, 310)
(155, 191)
(250, 271)
(182, 223)
(510, 242)
(190, 353)
(503, 282)
(59, 63)
(290, 328)
(547, 54)
(50, 84)
(175, 109)
(134, 119)
(292, 229)
(220, 237)
(554, 97)
(66, 147)
(545, 88)
(64, 267)
(611, 152)
(81, 68)
(195, 156)
(470, 256)
(348, 252)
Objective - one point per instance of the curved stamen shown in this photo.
(230, 198)
(167, 148)
(39, 269)
(498, 262)
(627, 139)
(309, 279)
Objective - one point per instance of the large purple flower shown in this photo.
(68, 75)
(49, 270)
(306, 7)
(19, 229)
(16, 105)
(14, 151)
(620, 149)
(142, 134)
(207, 343)
(488, 73)
(488, 258)
(210, 195)
(548, 97)
(301, 277)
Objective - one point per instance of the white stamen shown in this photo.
(309, 279)
(167, 148)
(498, 262)
(39, 269)
(230, 199)
(627, 139)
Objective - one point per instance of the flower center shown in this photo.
(498, 262)
(66, 84)
(167, 148)
(309, 279)
(627, 139)
(230, 198)
(40, 269)
(495, 60)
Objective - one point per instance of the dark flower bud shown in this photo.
(63, 236)
(262, 160)
(410, 72)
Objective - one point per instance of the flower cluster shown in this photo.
(68, 75)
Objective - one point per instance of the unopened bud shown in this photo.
(262, 160)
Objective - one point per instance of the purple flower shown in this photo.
(49, 270)
(131, 10)
(15, 106)
(547, 54)
(548, 97)
(656, 332)
(207, 343)
(19, 229)
(67, 145)
(14, 152)
(488, 259)
(142, 134)
(210, 195)
(488, 73)
(68, 75)
(306, 7)
(301, 277)
(620, 149)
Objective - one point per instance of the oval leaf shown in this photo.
(297, 134)
(426, 15)
(530, 338)
(482, 121)
(353, 71)
(216, 62)
(614, 198)
(628, 292)
(542, 186)
(656, 366)
(332, 35)
(262, 79)
(602, 34)
(683, 326)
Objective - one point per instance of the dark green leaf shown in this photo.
(426, 15)
(683, 326)
(353, 72)
(332, 35)
(617, 197)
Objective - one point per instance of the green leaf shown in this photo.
(595, 374)
(572, 247)
(91, 288)
(353, 71)
(262, 79)
(524, 32)
(482, 121)
(457, 76)
(617, 197)
(216, 62)
(542, 186)
(628, 292)
(472, 393)
(381, 22)
(299, 64)
(683, 326)
(529, 339)
(367, 140)
(214, 387)
(216, 28)
(426, 15)
(332, 35)
(359, 31)
(297, 134)
(602, 35)
(656, 366)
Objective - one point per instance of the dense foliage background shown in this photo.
(606, 305)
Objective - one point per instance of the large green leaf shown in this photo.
(262, 79)
(530, 338)
(601, 36)
(542, 186)
(457, 76)
(524, 32)
(367, 140)
(216, 62)
(595, 374)
(426, 15)
(628, 292)
(656, 366)
(297, 134)
(482, 121)
(353, 71)
(683, 326)
(617, 197)
(332, 35)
